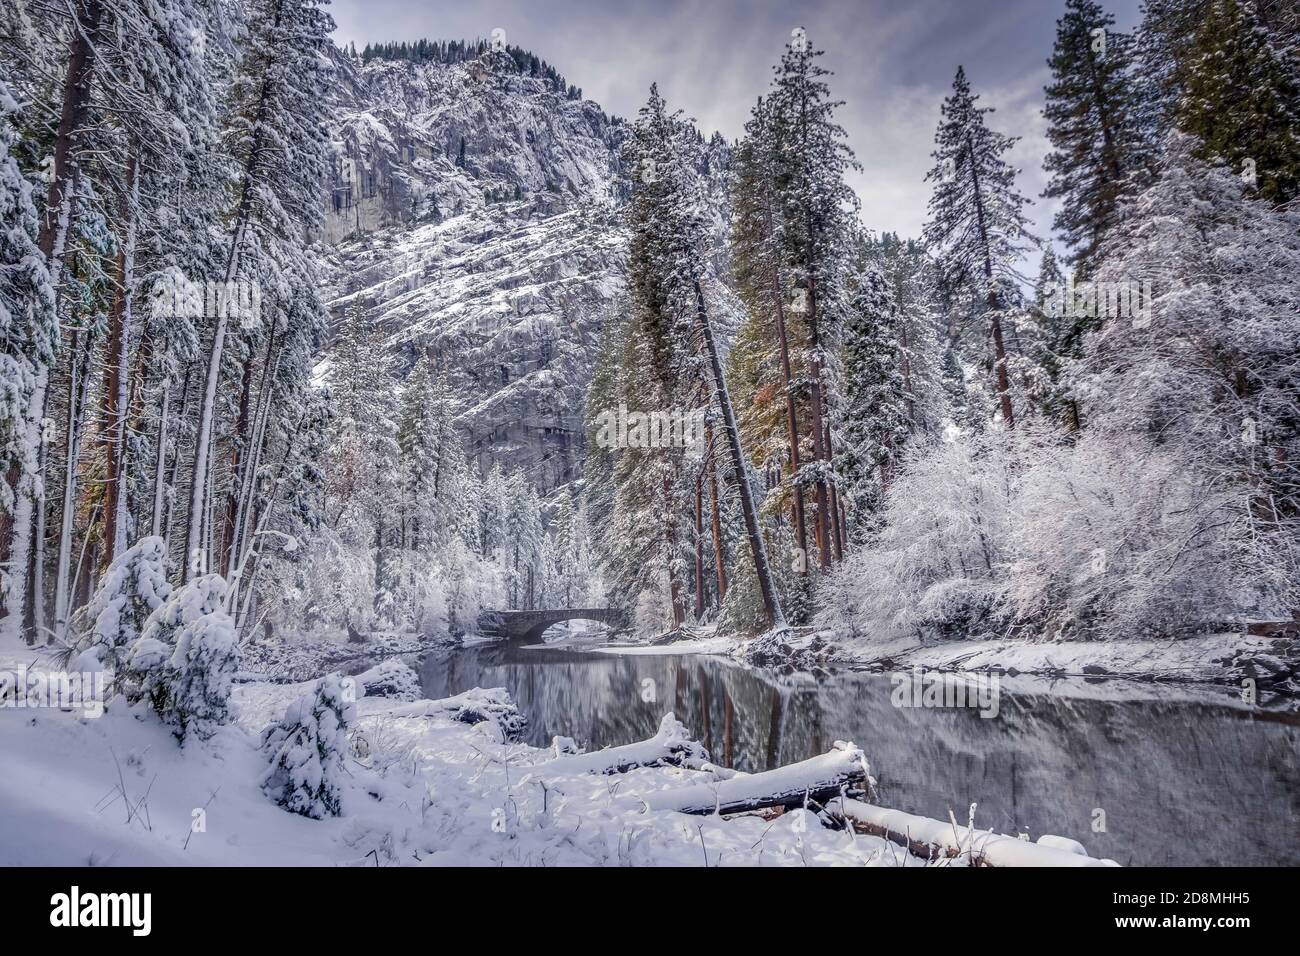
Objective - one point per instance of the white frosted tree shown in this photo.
(976, 227)
(308, 748)
(28, 337)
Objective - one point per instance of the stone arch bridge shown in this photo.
(530, 625)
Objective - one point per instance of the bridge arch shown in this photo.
(525, 626)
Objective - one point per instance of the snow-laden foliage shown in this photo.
(28, 334)
(308, 749)
(134, 586)
(1020, 534)
(390, 678)
(185, 660)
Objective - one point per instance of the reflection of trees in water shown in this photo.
(1180, 782)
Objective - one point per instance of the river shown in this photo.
(1177, 781)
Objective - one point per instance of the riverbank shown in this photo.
(1260, 668)
(434, 782)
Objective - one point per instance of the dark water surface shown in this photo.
(1179, 782)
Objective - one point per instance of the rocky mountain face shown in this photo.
(475, 214)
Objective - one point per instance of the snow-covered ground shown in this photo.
(427, 783)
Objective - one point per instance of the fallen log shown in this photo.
(817, 780)
(935, 839)
(670, 746)
(493, 705)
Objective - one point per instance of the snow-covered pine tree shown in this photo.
(28, 338)
(1241, 99)
(913, 280)
(134, 586)
(874, 412)
(762, 361)
(431, 457)
(185, 659)
(275, 133)
(1051, 338)
(976, 227)
(817, 208)
(672, 332)
(1097, 154)
(365, 478)
(1162, 53)
(308, 749)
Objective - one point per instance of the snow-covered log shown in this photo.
(936, 839)
(671, 745)
(843, 769)
(493, 705)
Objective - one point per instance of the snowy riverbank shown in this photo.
(431, 783)
(1267, 667)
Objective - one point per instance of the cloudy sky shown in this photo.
(893, 62)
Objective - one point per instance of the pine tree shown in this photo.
(977, 227)
(1095, 146)
(817, 208)
(761, 360)
(308, 750)
(276, 135)
(1241, 98)
(670, 352)
(874, 414)
(28, 338)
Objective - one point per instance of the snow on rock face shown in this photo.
(418, 141)
(509, 303)
(503, 261)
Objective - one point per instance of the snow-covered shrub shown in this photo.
(938, 564)
(471, 584)
(1118, 538)
(134, 586)
(185, 660)
(1026, 535)
(306, 751)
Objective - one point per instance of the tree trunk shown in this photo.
(992, 298)
(78, 374)
(791, 412)
(719, 561)
(771, 602)
(52, 238)
(699, 546)
(239, 456)
(116, 372)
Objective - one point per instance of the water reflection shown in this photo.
(1176, 783)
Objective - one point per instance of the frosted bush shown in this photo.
(134, 586)
(1027, 536)
(306, 750)
(185, 660)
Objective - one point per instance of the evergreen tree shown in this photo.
(977, 227)
(817, 208)
(874, 424)
(28, 337)
(1241, 98)
(1095, 146)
